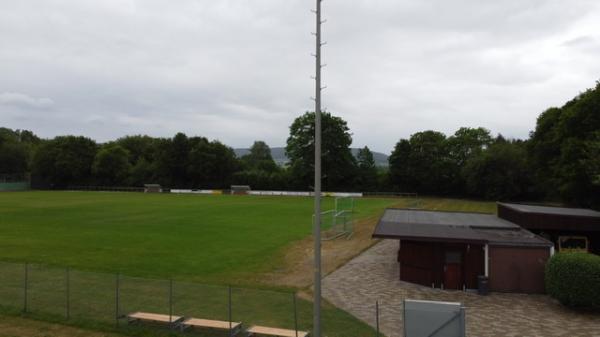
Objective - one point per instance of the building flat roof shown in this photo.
(427, 217)
(537, 209)
(421, 225)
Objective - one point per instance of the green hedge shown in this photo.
(574, 279)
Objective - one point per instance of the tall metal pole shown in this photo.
(317, 211)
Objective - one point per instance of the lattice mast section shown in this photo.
(317, 206)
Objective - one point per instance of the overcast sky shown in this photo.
(239, 70)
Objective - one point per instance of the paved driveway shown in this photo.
(374, 276)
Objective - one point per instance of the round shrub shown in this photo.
(574, 279)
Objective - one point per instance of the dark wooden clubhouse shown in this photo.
(451, 249)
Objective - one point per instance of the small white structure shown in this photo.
(152, 188)
(240, 189)
(434, 319)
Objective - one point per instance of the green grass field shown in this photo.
(189, 238)
(192, 239)
(214, 239)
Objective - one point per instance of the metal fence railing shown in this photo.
(391, 194)
(106, 188)
(14, 177)
(348, 195)
(69, 294)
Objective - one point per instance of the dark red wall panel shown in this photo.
(517, 269)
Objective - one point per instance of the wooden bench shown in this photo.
(233, 327)
(153, 318)
(263, 330)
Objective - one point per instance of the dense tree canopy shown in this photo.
(466, 143)
(498, 173)
(564, 150)
(142, 151)
(423, 164)
(64, 161)
(259, 158)
(259, 170)
(16, 148)
(139, 148)
(14, 158)
(338, 164)
(469, 163)
(111, 165)
(367, 174)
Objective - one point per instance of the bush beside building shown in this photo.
(574, 279)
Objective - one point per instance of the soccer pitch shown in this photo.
(215, 238)
(218, 239)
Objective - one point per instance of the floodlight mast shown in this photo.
(317, 211)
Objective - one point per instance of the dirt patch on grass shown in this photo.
(297, 269)
(12, 326)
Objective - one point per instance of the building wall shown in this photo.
(556, 225)
(517, 269)
(549, 221)
(553, 235)
(423, 262)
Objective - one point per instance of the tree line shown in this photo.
(559, 161)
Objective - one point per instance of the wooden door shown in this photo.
(453, 273)
(453, 276)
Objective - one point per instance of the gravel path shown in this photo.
(374, 276)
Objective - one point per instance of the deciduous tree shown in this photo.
(64, 161)
(259, 158)
(338, 164)
(111, 166)
(366, 177)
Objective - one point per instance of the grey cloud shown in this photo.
(239, 70)
(581, 41)
(586, 44)
(25, 101)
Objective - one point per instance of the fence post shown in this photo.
(463, 330)
(68, 280)
(295, 314)
(117, 285)
(377, 316)
(170, 303)
(25, 285)
(229, 310)
(404, 317)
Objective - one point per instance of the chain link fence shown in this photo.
(14, 182)
(107, 299)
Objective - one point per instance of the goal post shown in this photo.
(338, 222)
(344, 204)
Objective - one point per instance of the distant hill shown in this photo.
(278, 153)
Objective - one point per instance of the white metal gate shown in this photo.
(433, 319)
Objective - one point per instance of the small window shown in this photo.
(453, 257)
(572, 243)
